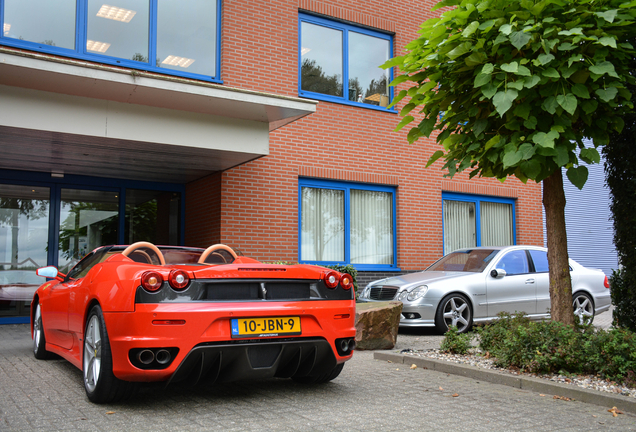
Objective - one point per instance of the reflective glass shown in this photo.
(322, 225)
(186, 36)
(371, 227)
(118, 29)
(41, 21)
(152, 216)
(321, 59)
(24, 231)
(88, 219)
(540, 260)
(368, 83)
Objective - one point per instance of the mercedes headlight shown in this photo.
(417, 293)
(402, 295)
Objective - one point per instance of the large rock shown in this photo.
(377, 324)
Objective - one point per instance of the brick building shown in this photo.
(261, 125)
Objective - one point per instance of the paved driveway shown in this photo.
(369, 395)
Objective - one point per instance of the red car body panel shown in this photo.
(134, 322)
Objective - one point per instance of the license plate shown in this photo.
(264, 327)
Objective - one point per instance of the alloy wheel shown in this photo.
(457, 313)
(92, 353)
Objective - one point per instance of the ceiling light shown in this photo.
(6, 27)
(304, 50)
(178, 61)
(97, 46)
(115, 13)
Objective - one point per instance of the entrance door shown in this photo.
(88, 219)
(24, 234)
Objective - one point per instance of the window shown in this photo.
(471, 221)
(514, 263)
(165, 36)
(347, 223)
(341, 63)
(540, 260)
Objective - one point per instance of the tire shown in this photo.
(39, 340)
(454, 309)
(97, 364)
(583, 306)
(318, 379)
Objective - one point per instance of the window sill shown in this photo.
(336, 100)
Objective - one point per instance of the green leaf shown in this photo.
(399, 80)
(531, 81)
(475, 58)
(567, 46)
(503, 100)
(527, 150)
(581, 91)
(480, 126)
(505, 29)
(531, 168)
(406, 120)
(488, 68)
(563, 156)
(607, 94)
(544, 59)
(607, 41)
(486, 26)
(438, 154)
(489, 90)
(459, 50)
(491, 142)
(604, 68)
(395, 61)
(574, 31)
(568, 102)
(517, 85)
(512, 158)
(551, 73)
(550, 104)
(589, 106)
(482, 79)
(522, 110)
(578, 176)
(608, 16)
(510, 67)
(524, 71)
(520, 39)
(543, 139)
(427, 125)
(531, 123)
(590, 155)
(470, 29)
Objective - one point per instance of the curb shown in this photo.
(623, 403)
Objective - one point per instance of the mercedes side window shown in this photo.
(514, 263)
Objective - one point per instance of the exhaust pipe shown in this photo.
(163, 356)
(146, 356)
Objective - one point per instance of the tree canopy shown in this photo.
(514, 86)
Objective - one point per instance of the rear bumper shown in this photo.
(206, 350)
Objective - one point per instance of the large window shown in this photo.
(165, 36)
(347, 223)
(341, 63)
(471, 221)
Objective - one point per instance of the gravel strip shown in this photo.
(476, 358)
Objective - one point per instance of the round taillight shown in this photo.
(346, 281)
(151, 281)
(331, 279)
(178, 279)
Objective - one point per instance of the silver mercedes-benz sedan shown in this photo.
(473, 285)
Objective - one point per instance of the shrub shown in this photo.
(553, 347)
(454, 342)
(623, 294)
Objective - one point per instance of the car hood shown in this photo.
(426, 277)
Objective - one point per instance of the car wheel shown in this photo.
(454, 310)
(317, 379)
(583, 308)
(39, 341)
(100, 383)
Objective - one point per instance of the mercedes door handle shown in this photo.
(529, 281)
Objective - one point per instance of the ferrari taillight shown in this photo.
(151, 281)
(331, 279)
(178, 279)
(606, 282)
(346, 281)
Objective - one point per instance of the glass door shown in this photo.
(88, 219)
(24, 234)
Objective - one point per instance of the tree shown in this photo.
(512, 87)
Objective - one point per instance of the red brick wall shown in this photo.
(259, 200)
(203, 211)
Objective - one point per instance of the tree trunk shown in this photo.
(558, 260)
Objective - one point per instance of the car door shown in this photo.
(55, 314)
(514, 292)
(542, 277)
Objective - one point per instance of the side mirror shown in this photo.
(47, 272)
(498, 273)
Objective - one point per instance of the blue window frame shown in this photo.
(340, 63)
(347, 223)
(475, 220)
(170, 37)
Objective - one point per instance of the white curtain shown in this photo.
(371, 227)
(322, 225)
(496, 224)
(459, 225)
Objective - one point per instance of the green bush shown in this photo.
(623, 294)
(553, 347)
(454, 342)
